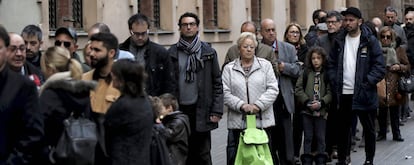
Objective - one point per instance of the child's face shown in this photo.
(316, 61)
(165, 110)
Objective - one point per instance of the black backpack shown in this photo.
(76, 145)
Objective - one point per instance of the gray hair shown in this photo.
(333, 13)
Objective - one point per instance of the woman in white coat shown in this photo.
(249, 86)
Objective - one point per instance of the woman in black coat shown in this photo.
(61, 95)
(129, 121)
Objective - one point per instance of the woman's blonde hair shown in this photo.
(301, 37)
(58, 59)
(246, 35)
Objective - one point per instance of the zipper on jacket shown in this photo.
(247, 88)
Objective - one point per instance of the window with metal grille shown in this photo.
(256, 11)
(65, 13)
(151, 8)
(210, 14)
(216, 16)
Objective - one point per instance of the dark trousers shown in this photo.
(314, 127)
(233, 143)
(394, 118)
(366, 117)
(331, 129)
(199, 143)
(282, 134)
(297, 131)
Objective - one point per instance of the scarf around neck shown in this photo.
(390, 55)
(191, 49)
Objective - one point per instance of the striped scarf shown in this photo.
(191, 49)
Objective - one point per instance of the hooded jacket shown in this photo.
(370, 69)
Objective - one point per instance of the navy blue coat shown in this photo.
(370, 69)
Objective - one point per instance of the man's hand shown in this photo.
(281, 66)
(215, 119)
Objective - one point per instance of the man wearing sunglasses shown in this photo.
(66, 37)
(155, 57)
(16, 60)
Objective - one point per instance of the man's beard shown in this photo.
(100, 63)
(409, 25)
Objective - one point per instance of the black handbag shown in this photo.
(406, 84)
(76, 145)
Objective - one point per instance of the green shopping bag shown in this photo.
(253, 148)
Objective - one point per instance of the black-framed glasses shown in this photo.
(137, 34)
(14, 48)
(65, 43)
(191, 24)
(385, 36)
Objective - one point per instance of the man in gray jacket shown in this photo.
(284, 105)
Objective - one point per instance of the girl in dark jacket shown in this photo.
(314, 93)
(61, 94)
(128, 122)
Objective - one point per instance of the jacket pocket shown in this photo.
(366, 95)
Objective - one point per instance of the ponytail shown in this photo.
(75, 69)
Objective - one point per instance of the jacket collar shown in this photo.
(255, 66)
(364, 38)
(205, 50)
(62, 80)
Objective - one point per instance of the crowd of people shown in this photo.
(153, 105)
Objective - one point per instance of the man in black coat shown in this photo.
(199, 87)
(17, 60)
(154, 56)
(21, 124)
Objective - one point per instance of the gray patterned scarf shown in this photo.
(191, 49)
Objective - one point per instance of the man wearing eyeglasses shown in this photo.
(17, 60)
(199, 87)
(66, 37)
(21, 123)
(334, 23)
(154, 56)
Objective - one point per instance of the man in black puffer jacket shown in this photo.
(154, 56)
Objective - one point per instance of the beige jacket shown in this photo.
(104, 94)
